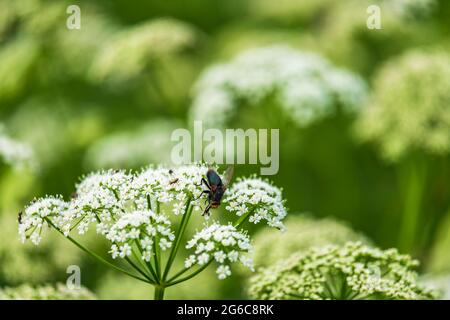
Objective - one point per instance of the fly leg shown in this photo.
(206, 211)
(205, 183)
(202, 193)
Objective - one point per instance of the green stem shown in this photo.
(191, 275)
(157, 259)
(96, 256)
(149, 202)
(243, 218)
(159, 293)
(415, 179)
(178, 236)
(141, 261)
(182, 271)
(148, 263)
(135, 267)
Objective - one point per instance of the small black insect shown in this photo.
(19, 217)
(174, 180)
(216, 187)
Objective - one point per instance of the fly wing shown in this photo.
(228, 175)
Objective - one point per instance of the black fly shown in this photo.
(216, 187)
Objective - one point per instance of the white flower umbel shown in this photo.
(303, 232)
(307, 87)
(256, 200)
(222, 243)
(350, 271)
(145, 214)
(409, 111)
(32, 220)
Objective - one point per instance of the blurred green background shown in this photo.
(110, 94)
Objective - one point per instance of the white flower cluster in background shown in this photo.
(303, 232)
(223, 243)
(259, 197)
(45, 292)
(130, 52)
(135, 211)
(438, 282)
(292, 10)
(410, 108)
(306, 86)
(13, 152)
(129, 149)
(411, 9)
(346, 272)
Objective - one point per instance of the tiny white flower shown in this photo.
(220, 256)
(233, 256)
(189, 262)
(223, 272)
(124, 250)
(164, 244)
(114, 251)
(203, 258)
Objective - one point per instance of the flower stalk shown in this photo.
(178, 237)
(159, 292)
(414, 177)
